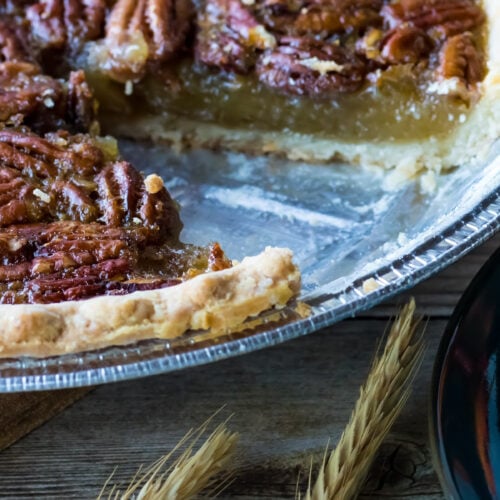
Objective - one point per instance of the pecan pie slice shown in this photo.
(398, 83)
(90, 253)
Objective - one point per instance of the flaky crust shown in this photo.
(218, 301)
(469, 142)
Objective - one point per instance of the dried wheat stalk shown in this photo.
(188, 475)
(381, 399)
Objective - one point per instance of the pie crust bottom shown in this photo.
(219, 301)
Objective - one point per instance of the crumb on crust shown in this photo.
(154, 183)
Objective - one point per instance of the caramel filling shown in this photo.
(395, 108)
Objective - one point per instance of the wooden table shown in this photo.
(287, 402)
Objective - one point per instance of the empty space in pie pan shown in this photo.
(356, 243)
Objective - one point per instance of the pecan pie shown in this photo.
(399, 83)
(89, 247)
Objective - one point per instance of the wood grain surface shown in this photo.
(21, 413)
(286, 402)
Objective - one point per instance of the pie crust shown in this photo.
(219, 301)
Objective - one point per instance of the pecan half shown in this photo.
(40, 101)
(125, 200)
(57, 154)
(26, 95)
(138, 32)
(460, 58)
(57, 24)
(18, 198)
(307, 67)
(319, 17)
(406, 44)
(64, 261)
(442, 17)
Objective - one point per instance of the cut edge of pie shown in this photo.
(219, 301)
(470, 141)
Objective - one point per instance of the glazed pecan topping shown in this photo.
(442, 17)
(42, 263)
(26, 94)
(459, 58)
(306, 67)
(68, 177)
(323, 47)
(138, 32)
(319, 17)
(18, 200)
(68, 261)
(40, 101)
(57, 24)
(57, 154)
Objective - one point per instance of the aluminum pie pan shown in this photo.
(346, 229)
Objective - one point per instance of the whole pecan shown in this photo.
(138, 32)
(57, 24)
(306, 67)
(319, 17)
(442, 17)
(460, 58)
